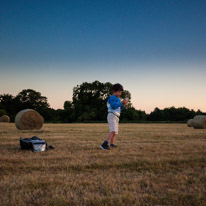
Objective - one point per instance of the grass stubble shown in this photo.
(155, 164)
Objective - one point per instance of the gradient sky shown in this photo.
(155, 48)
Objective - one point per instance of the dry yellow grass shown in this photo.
(155, 164)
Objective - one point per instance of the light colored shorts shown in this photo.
(113, 122)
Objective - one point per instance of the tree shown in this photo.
(68, 105)
(10, 105)
(31, 99)
(3, 112)
(156, 115)
(130, 114)
(172, 114)
(89, 100)
(67, 115)
(142, 115)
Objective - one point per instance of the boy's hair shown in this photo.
(117, 87)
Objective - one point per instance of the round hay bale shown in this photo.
(199, 122)
(4, 118)
(197, 117)
(29, 119)
(190, 123)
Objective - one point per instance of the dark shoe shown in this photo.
(50, 147)
(113, 145)
(104, 146)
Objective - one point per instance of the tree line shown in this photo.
(88, 105)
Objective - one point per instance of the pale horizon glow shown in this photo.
(149, 88)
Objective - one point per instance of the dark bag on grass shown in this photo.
(36, 144)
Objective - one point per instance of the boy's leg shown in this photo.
(110, 136)
(111, 122)
(105, 144)
(113, 139)
(115, 133)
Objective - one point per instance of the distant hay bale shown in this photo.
(199, 122)
(4, 118)
(197, 117)
(190, 123)
(29, 119)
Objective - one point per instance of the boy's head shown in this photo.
(117, 90)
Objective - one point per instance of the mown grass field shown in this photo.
(155, 164)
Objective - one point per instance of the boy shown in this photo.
(114, 106)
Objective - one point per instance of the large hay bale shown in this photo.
(190, 123)
(199, 122)
(4, 118)
(29, 119)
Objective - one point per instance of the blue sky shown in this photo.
(155, 48)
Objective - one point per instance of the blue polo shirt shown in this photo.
(114, 105)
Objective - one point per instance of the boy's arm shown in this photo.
(124, 102)
(114, 104)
